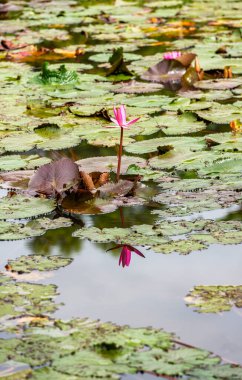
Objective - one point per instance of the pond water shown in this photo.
(150, 292)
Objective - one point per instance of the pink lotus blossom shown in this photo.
(120, 118)
(125, 255)
(172, 55)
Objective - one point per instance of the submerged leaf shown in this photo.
(121, 188)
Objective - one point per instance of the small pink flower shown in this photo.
(172, 55)
(125, 255)
(120, 118)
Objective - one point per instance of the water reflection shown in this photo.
(126, 252)
(133, 216)
(59, 240)
(234, 215)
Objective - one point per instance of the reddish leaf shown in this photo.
(186, 59)
(169, 72)
(55, 178)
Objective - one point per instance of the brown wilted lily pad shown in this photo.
(219, 84)
(169, 72)
(55, 178)
(108, 164)
(17, 180)
(134, 87)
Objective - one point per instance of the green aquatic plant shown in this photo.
(60, 76)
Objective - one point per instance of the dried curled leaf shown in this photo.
(118, 66)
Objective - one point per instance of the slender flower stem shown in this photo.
(120, 153)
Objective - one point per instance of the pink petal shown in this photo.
(128, 257)
(135, 250)
(172, 55)
(125, 256)
(114, 121)
(116, 247)
(119, 117)
(123, 114)
(120, 259)
(133, 121)
(115, 112)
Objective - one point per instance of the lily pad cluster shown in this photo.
(42, 347)
(194, 235)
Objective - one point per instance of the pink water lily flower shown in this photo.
(120, 122)
(120, 118)
(125, 255)
(172, 55)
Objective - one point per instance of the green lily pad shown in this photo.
(26, 264)
(16, 162)
(180, 124)
(219, 84)
(221, 114)
(37, 300)
(37, 227)
(214, 299)
(165, 144)
(19, 207)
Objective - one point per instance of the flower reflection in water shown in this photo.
(125, 255)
